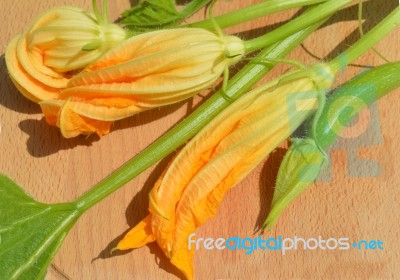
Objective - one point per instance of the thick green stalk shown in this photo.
(350, 99)
(367, 41)
(315, 14)
(185, 130)
(253, 12)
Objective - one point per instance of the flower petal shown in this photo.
(30, 87)
(138, 236)
(51, 110)
(73, 124)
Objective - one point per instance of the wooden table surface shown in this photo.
(365, 206)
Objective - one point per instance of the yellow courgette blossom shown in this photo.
(221, 155)
(43, 58)
(146, 71)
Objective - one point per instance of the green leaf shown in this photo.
(30, 232)
(155, 14)
(300, 167)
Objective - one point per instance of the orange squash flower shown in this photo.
(218, 157)
(56, 45)
(146, 71)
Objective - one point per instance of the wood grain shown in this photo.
(54, 169)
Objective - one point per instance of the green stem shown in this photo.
(368, 41)
(185, 130)
(96, 11)
(253, 12)
(105, 12)
(315, 14)
(361, 30)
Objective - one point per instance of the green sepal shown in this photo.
(30, 232)
(300, 167)
(95, 44)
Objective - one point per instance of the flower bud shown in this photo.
(58, 43)
(300, 167)
(144, 72)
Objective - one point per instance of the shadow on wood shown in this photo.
(10, 98)
(136, 211)
(267, 180)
